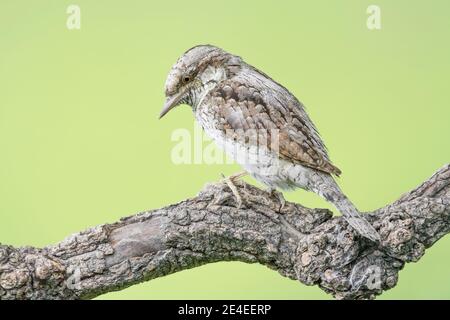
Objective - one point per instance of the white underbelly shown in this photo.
(260, 162)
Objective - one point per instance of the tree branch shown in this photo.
(308, 245)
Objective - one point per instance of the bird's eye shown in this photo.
(186, 79)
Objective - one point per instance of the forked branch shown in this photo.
(308, 245)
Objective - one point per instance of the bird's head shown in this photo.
(195, 73)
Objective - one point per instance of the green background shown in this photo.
(81, 144)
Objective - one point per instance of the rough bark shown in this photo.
(308, 245)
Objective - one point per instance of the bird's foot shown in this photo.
(279, 196)
(230, 181)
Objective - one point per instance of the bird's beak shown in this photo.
(171, 102)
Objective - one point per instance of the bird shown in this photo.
(260, 124)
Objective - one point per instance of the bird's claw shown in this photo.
(279, 196)
(231, 184)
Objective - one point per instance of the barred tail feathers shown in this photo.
(330, 191)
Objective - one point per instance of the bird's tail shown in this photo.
(356, 220)
(330, 191)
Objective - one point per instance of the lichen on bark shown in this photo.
(308, 245)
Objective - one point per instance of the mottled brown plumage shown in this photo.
(299, 140)
(259, 123)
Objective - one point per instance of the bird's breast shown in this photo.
(255, 158)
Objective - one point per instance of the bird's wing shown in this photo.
(254, 101)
